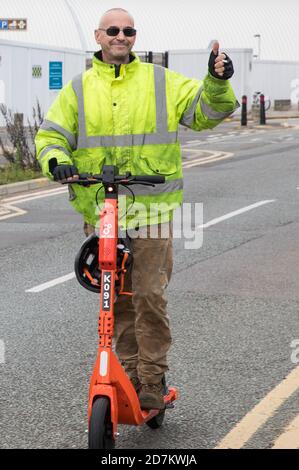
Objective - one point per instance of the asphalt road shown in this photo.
(233, 304)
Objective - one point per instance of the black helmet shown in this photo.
(87, 267)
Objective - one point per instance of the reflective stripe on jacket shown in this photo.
(130, 121)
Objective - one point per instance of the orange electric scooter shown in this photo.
(112, 397)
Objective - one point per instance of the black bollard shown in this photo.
(262, 110)
(244, 111)
(150, 57)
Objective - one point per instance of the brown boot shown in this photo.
(151, 397)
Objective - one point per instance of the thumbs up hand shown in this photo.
(220, 65)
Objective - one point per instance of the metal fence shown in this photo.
(159, 58)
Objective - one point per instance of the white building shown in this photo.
(30, 72)
(37, 60)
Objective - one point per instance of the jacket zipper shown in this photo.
(117, 70)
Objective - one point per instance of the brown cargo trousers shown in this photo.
(142, 335)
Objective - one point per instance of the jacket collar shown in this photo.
(113, 71)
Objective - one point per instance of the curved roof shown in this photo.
(163, 24)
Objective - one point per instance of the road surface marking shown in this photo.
(192, 142)
(260, 414)
(234, 213)
(4, 211)
(203, 161)
(54, 282)
(289, 439)
(36, 195)
(7, 211)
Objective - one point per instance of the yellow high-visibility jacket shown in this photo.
(128, 116)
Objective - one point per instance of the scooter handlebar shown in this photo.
(86, 178)
(154, 179)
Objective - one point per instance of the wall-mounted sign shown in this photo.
(13, 24)
(55, 75)
(36, 71)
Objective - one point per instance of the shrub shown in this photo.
(23, 153)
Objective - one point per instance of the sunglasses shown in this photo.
(114, 31)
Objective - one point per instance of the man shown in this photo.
(126, 113)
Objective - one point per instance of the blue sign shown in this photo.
(3, 24)
(55, 75)
(13, 24)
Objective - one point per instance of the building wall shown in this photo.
(21, 89)
(277, 80)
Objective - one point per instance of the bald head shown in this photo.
(113, 13)
(116, 48)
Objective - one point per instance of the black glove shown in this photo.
(61, 172)
(228, 67)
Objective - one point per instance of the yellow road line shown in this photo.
(11, 211)
(3, 211)
(258, 416)
(290, 438)
(204, 160)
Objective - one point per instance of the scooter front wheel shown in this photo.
(100, 434)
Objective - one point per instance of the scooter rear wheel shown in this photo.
(100, 435)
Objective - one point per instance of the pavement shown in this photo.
(23, 186)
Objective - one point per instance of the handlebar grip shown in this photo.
(155, 179)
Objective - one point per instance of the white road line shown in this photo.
(54, 282)
(37, 195)
(62, 191)
(189, 146)
(219, 134)
(192, 142)
(234, 213)
(187, 150)
(289, 439)
(260, 414)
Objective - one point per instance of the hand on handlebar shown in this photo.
(65, 172)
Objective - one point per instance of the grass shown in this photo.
(12, 173)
